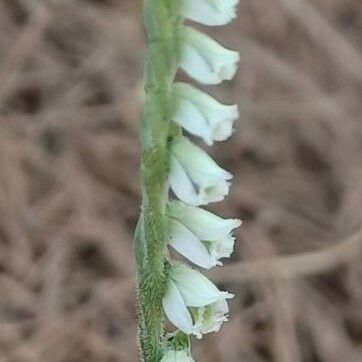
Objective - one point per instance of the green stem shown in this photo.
(162, 23)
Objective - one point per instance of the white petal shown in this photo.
(206, 60)
(189, 117)
(177, 356)
(202, 115)
(200, 167)
(204, 224)
(176, 310)
(181, 183)
(210, 12)
(195, 288)
(188, 245)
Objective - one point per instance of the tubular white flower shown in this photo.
(195, 177)
(206, 60)
(188, 288)
(210, 12)
(202, 115)
(203, 223)
(177, 356)
(199, 235)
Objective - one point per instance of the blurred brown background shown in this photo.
(70, 99)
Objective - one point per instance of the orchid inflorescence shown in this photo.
(192, 303)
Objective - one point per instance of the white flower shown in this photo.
(202, 115)
(195, 177)
(210, 12)
(200, 236)
(193, 303)
(206, 60)
(177, 356)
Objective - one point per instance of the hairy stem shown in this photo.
(162, 23)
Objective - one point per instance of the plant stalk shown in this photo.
(162, 23)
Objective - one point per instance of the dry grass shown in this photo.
(70, 97)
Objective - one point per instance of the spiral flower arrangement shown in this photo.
(171, 161)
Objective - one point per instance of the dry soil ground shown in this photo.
(70, 98)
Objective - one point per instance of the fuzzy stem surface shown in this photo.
(162, 24)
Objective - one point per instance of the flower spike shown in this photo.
(210, 12)
(202, 115)
(205, 60)
(170, 161)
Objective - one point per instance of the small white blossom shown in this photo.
(202, 115)
(193, 303)
(206, 60)
(177, 356)
(210, 12)
(200, 236)
(195, 177)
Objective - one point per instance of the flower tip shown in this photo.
(228, 71)
(234, 112)
(196, 332)
(237, 223)
(227, 295)
(228, 176)
(209, 140)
